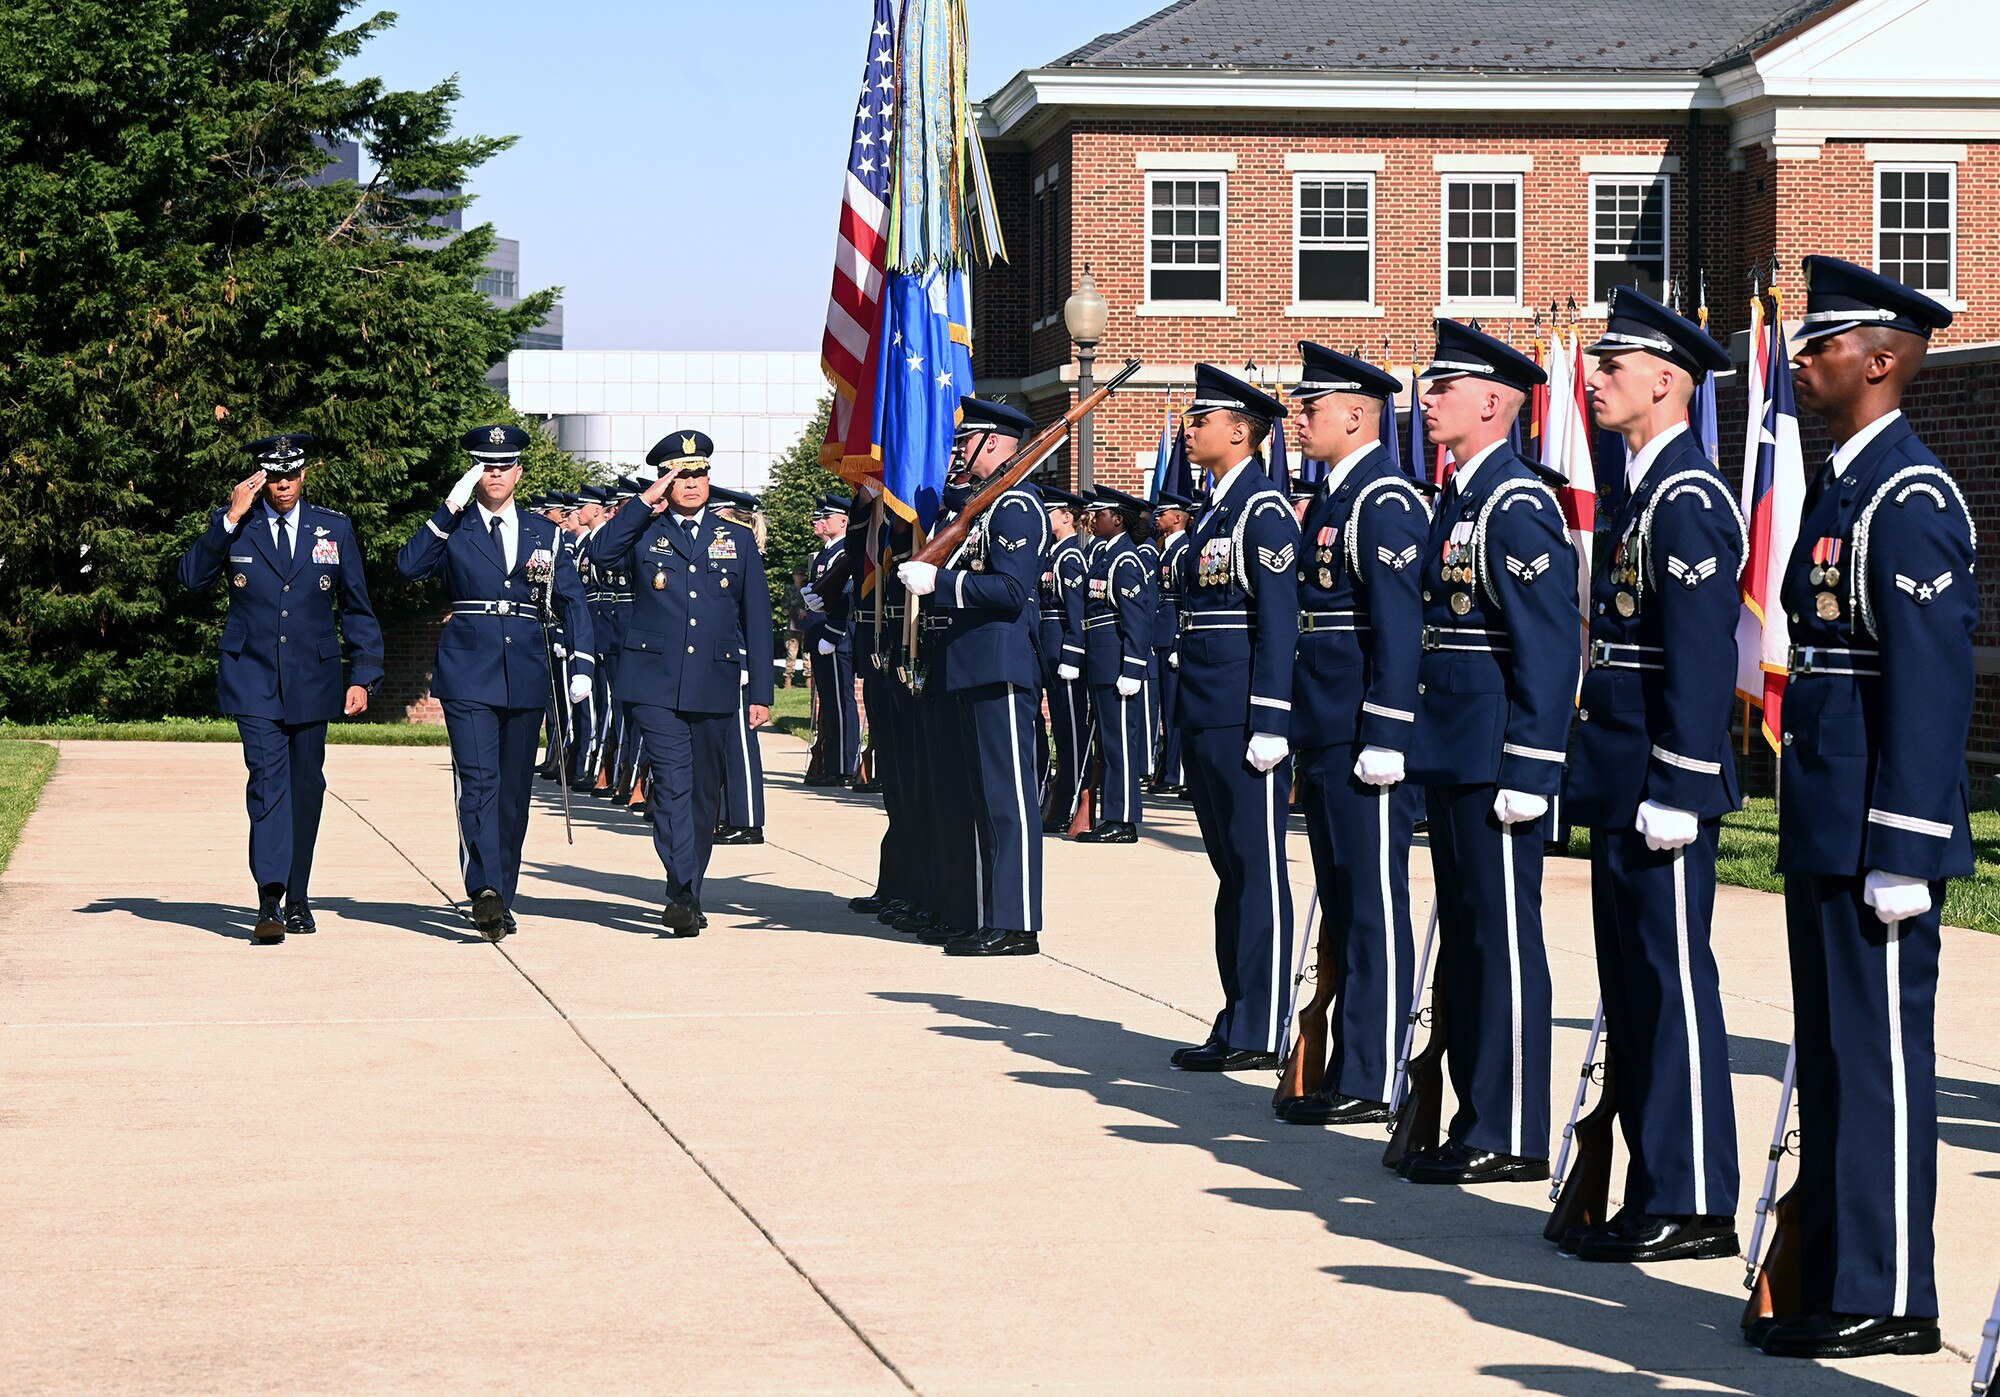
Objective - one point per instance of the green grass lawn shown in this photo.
(791, 712)
(218, 730)
(24, 770)
(1749, 852)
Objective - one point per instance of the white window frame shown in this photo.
(1486, 306)
(1048, 182)
(1174, 174)
(1916, 167)
(1664, 178)
(1367, 308)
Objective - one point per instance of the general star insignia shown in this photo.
(1529, 571)
(1690, 574)
(1924, 593)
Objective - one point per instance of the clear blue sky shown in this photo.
(680, 161)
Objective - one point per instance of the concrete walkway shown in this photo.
(799, 1153)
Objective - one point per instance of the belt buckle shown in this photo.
(1433, 637)
(503, 608)
(1186, 622)
(1308, 623)
(1600, 653)
(1802, 659)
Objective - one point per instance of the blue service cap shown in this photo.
(1215, 391)
(1328, 372)
(1055, 497)
(1167, 499)
(686, 451)
(718, 495)
(1104, 497)
(1841, 296)
(282, 454)
(497, 445)
(1635, 320)
(593, 494)
(830, 505)
(984, 415)
(1463, 352)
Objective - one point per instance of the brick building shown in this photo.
(1242, 174)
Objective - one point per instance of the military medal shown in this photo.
(1826, 563)
(1626, 604)
(1827, 605)
(1460, 603)
(1326, 578)
(659, 579)
(242, 578)
(325, 583)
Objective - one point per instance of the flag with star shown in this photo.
(926, 366)
(849, 347)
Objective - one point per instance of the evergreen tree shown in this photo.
(171, 287)
(797, 482)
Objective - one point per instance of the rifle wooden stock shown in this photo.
(1586, 1192)
(1780, 1287)
(1305, 1068)
(1417, 1120)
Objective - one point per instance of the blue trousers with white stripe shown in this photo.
(839, 718)
(1663, 1010)
(1864, 1000)
(1167, 770)
(1069, 719)
(743, 773)
(493, 766)
(1493, 971)
(1360, 839)
(999, 724)
(1243, 815)
(955, 891)
(1121, 741)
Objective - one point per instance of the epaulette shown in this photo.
(1548, 475)
(322, 509)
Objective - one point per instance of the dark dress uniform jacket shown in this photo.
(994, 596)
(1497, 684)
(701, 610)
(1647, 728)
(497, 655)
(1908, 600)
(1167, 623)
(281, 658)
(1234, 676)
(1360, 554)
(1118, 614)
(1069, 567)
(832, 622)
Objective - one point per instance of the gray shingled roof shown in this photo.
(1652, 36)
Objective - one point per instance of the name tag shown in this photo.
(326, 551)
(241, 558)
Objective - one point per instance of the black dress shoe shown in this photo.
(489, 914)
(868, 788)
(1639, 1237)
(943, 934)
(548, 771)
(1180, 1053)
(700, 921)
(1445, 1152)
(871, 904)
(740, 834)
(994, 942)
(892, 909)
(915, 923)
(1829, 1335)
(508, 926)
(270, 928)
(1333, 1108)
(620, 794)
(1110, 832)
(1466, 1165)
(1055, 827)
(1221, 1057)
(1758, 1330)
(680, 913)
(299, 919)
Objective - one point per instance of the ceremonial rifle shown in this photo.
(1419, 1091)
(1985, 1376)
(1305, 1056)
(546, 608)
(1582, 1196)
(1778, 1286)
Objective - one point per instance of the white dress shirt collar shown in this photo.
(1338, 471)
(510, 528)
(1221, 490)
(1844, 454)
(1462, 477)
(1636, 468)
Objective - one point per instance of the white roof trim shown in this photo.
(1328, 162)
(1503, 163)
(1187, 160)
(1631, 164)
(1884, 153)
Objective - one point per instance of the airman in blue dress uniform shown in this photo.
(1117, 638)
(620, 596)
(503, 568)
(1651, 774)
(597, 715)
(743, 771)
(1354, 701)
(1495, 694)
(1065, 583)
(1239, 605)
(830, 633)
(700, 636)
(992, 594)
(1882, 599)
(294, 569)
(1171, 515)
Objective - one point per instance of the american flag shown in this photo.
(848, 350)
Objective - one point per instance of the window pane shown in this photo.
(1333, 276)
(1186, 285)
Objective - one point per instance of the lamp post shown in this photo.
(1084, 316)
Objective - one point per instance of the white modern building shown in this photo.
(612, 405)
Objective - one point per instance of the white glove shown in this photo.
(1068, 673)
(1379, 766)
(559, 650)
(1513, 807)
(1127, 686)
(743, 681)
(1894, 897)
(1666, 827)
(1266, 750)
(827, 647)
(461, 493)
(579, 688)
(919, 579)
(811, 599)
(1173, 659)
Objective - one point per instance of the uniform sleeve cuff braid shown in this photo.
(1282, 705)
(1909, 823)
(1398, 714)
(1675, 759)
(1537, 754)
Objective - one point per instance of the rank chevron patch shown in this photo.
(1399, 561)
(1276, 559)
(1690, 574)
(1923, 593)
(1528, 572)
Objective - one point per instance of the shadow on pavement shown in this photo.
(1499, 1271)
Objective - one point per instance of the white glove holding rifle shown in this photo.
(579, 688)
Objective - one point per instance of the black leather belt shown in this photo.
(1319, 622)
(492, 608)
(1833, 659)
(1606, 654)
(1470, 640)
(1216, 621)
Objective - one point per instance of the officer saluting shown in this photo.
(1882, 601)
(1354, 700)
(1495, 693)
(1117, 640)
(280, 675)
(995, 674)
(1651, 773)
(1239, 603)
(503, 568)
(700, 634)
